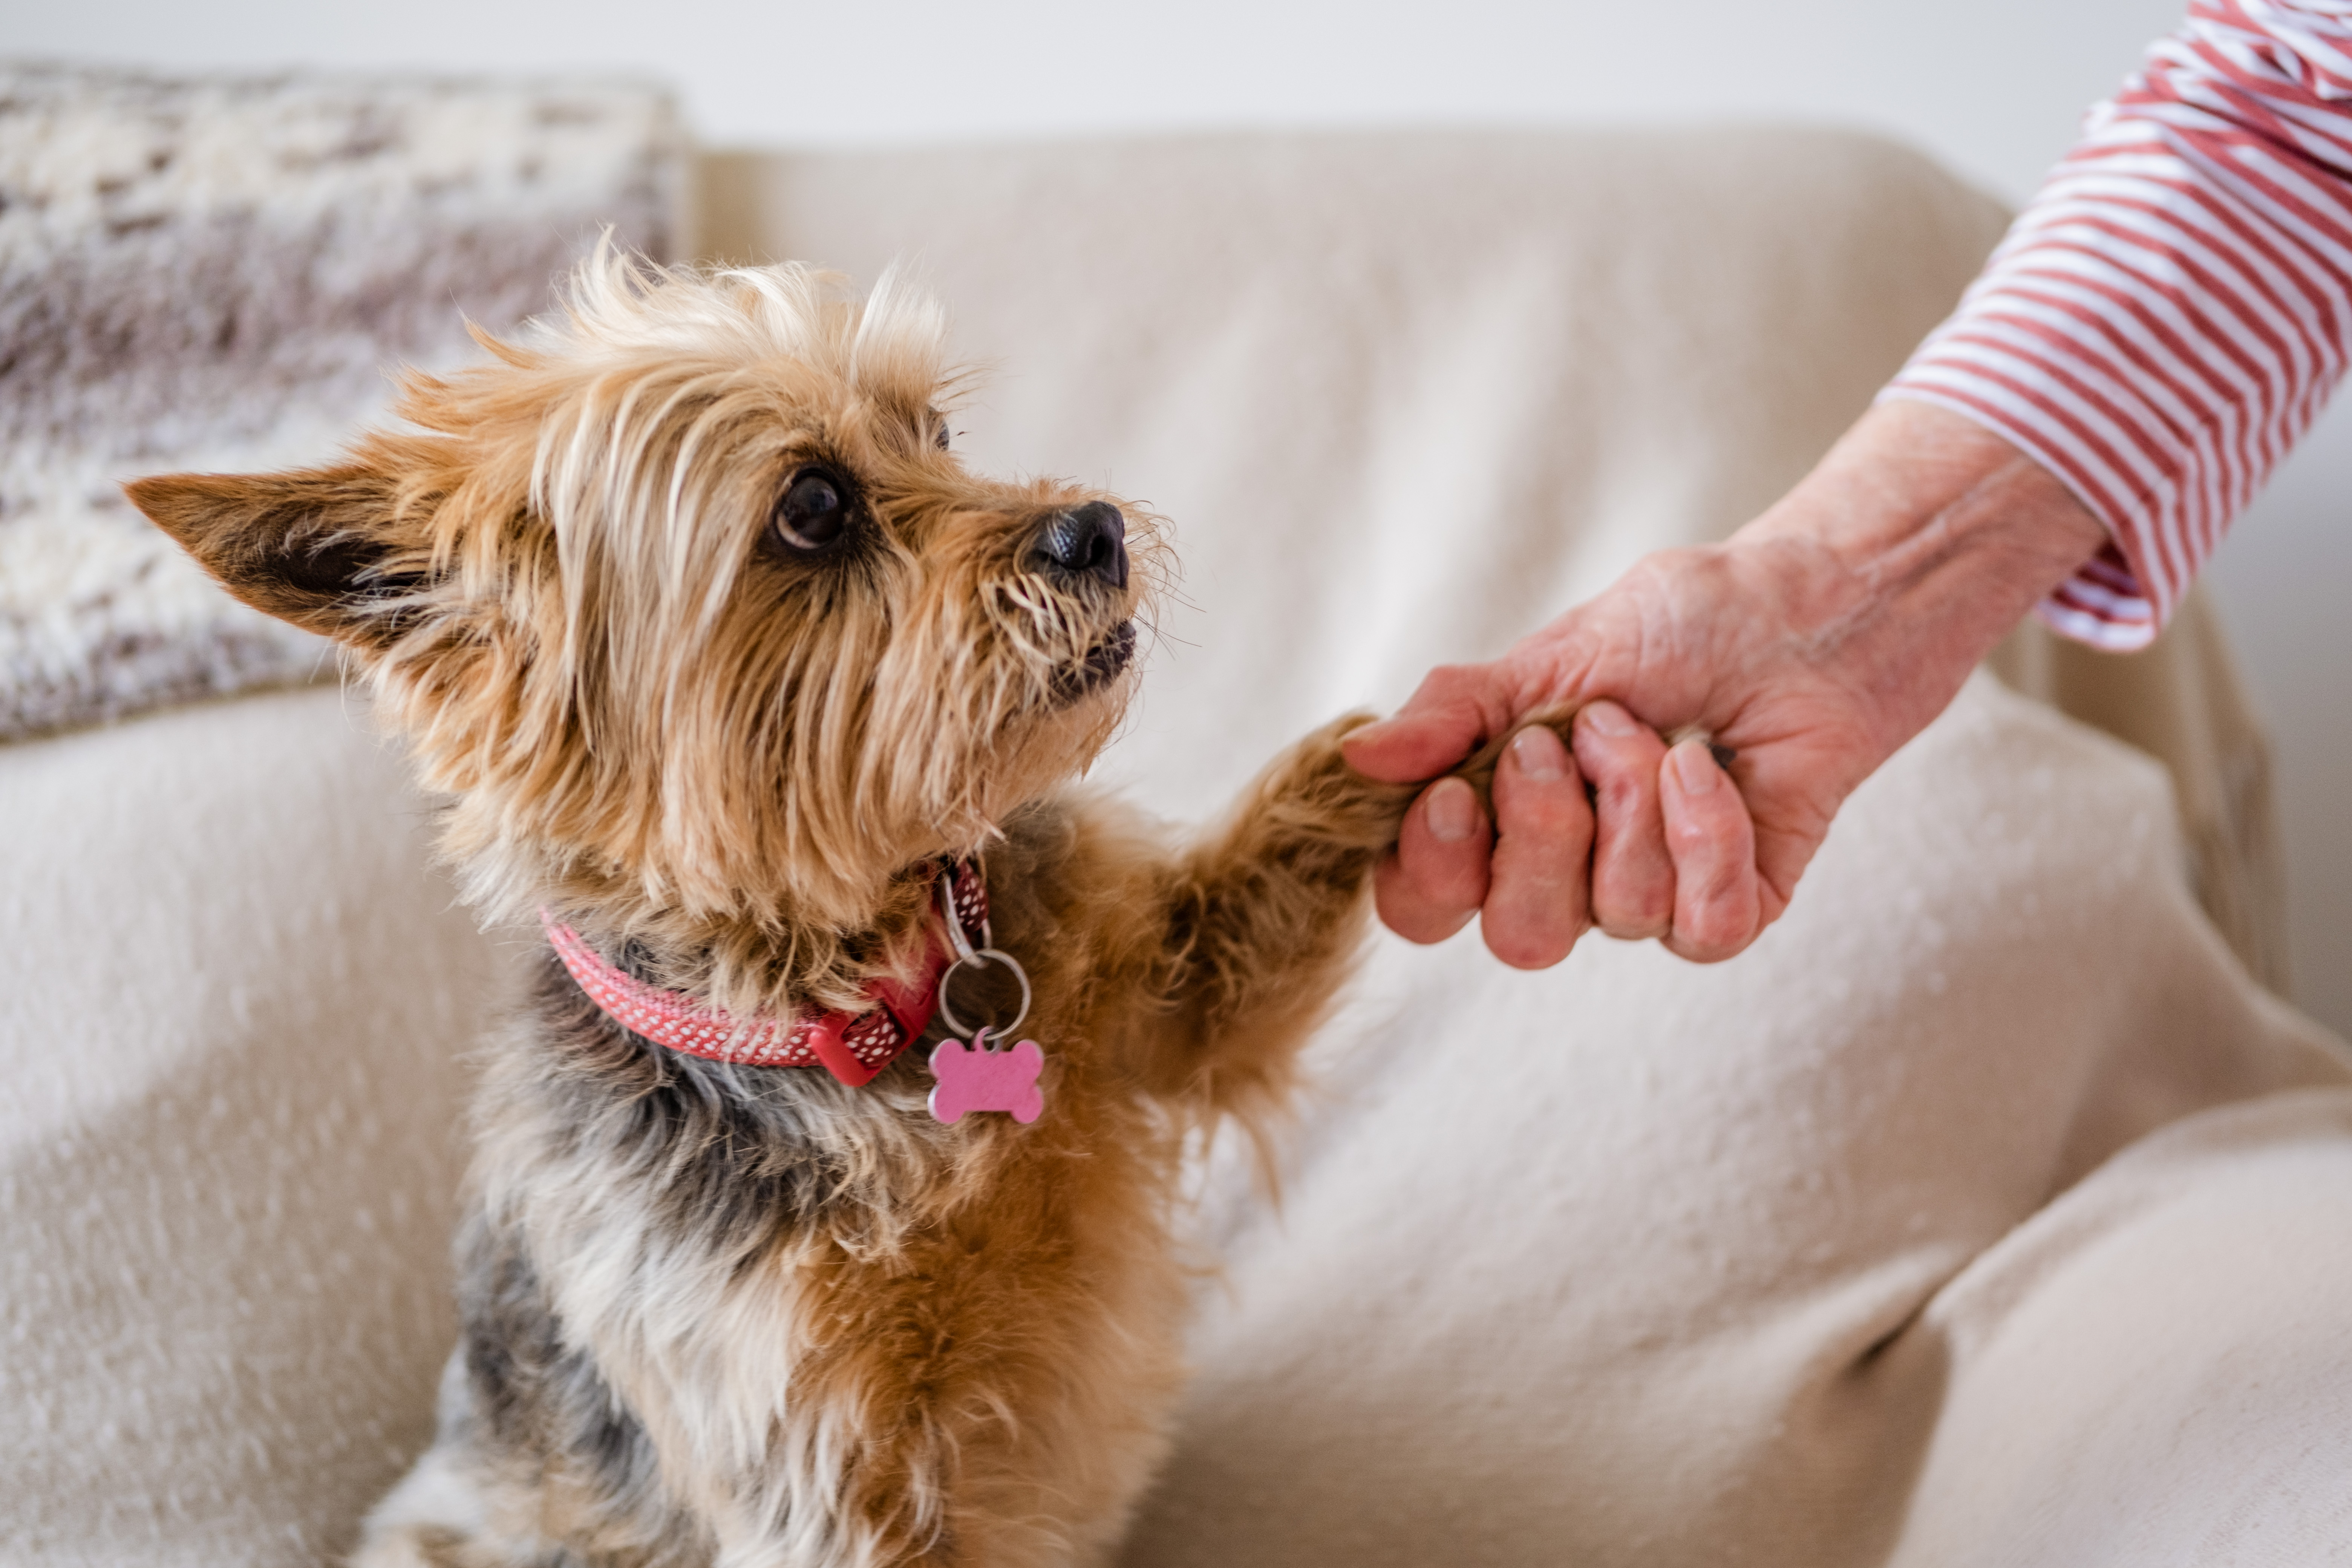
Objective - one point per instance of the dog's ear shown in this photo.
(318, 547)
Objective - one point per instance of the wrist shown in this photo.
(1916, 544)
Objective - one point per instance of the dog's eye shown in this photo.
(941, 439)
(814, 511)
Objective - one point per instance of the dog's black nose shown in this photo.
(1089, 540)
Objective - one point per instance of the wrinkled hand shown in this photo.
(1812, 645)
(1670, 845)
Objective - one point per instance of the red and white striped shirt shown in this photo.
(2174, 308)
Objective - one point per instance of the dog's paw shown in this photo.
(1313, 791)
(1316, 780)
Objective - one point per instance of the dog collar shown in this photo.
(853, 1046)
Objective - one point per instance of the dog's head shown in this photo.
(689, 605)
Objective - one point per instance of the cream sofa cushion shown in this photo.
(232, 1042)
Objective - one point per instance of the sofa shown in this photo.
(1990, 1209)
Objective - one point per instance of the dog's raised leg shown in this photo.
(1263, 918)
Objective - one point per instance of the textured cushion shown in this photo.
(215, 273)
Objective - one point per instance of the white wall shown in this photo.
(1993, 87)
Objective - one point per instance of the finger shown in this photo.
(1718, 909)
(1633, 877)
(1436, 880)
(1536, 905)
(1451, 715)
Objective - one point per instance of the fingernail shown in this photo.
(1452, 811)
(1693, 769)
(1608, 719)
(1537, 753)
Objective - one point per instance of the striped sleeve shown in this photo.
(2173, 309)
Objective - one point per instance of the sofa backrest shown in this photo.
(1405, 395)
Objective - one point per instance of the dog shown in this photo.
(769, 714)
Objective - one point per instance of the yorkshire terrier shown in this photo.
(768, 712)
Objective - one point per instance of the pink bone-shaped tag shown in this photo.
(973, 1080)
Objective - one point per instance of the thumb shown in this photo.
(1456, 709)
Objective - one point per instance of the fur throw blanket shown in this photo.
(217, 273)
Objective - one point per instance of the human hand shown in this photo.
(1812, 645)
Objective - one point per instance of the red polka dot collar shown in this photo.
(853, 1046)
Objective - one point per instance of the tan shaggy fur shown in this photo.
(734, 1315)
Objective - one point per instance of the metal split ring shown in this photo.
(981, 958)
